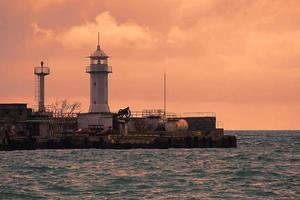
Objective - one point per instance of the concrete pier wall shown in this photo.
(117, 142)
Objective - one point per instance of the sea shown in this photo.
(265, 165)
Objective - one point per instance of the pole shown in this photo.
(165, 95)
(41, 93)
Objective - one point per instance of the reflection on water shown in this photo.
(266, 165)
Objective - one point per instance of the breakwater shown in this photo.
(74, 141)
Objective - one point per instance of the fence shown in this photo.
(55, 114)
(161, 113)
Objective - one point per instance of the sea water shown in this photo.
(266, 165)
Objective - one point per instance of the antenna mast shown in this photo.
(165, 95)
(98, 45)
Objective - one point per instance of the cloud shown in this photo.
(40, 32)
(216, 44)
(118, 34)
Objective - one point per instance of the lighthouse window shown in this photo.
(94, 61)
(98, 61)
(94, 102)
(94, 83)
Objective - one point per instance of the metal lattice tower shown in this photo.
(40, 73)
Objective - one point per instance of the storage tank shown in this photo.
(152, 123)
(174, 125)
(136, 125)
(147, 124)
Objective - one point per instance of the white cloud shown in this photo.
(38, 31)
(117, 34)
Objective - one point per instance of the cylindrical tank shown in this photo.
(136, 125)
(148, 124)
(175, 125)
(152, 123)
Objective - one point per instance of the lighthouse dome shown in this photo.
(98, 53)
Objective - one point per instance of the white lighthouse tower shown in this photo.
(98, 70)
(98, 116)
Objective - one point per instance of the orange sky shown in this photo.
(240, 59)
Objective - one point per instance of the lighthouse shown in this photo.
(98, 70)
(99, 116)
(41, 72)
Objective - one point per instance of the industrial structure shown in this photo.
(26, 128)
(40, 73)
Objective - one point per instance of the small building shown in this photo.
(13, 117)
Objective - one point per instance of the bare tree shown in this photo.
(65, 108)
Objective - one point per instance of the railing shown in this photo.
(64, 115)
(219, 124)
(35, 108)
(42, 70)
(152, 113)
(160, 113)
(99, 68)
(55, 114)
(197, 114)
